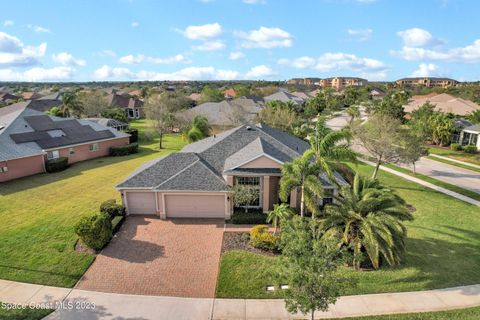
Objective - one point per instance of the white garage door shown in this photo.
(141, 203)
(195, 206)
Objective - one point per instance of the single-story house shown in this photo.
(197, 181)
(29, 138)
(444, 102)
(470, 136)
(284, 96)
(377, 93)
(133, 106)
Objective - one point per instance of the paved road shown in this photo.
(90, 305)
(457, 176)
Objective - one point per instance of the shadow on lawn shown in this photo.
(75, 169)
(19, 269)
(441, 263)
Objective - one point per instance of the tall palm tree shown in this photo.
(71, 104)
(368, 217)
(302, 173)
(279, 212)
(331, 147)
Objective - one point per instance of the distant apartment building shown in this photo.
(339, 83)
(426, 82)
(304, 81)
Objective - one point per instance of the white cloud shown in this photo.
(426, 70)
(37, 74)
(416, 37)
(107, 53)
(139, 58)
(236, 55)
(254, 1)
(38, 29)
(360, 34)
(8, 23)
(14, 53)
(192, 73)
(134, 24)
(299, 63)
(261, 71)
(66, 59)
(467, 54)
(203, 32)
(210, 46)
(265, 38)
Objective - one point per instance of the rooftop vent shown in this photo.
(249, 128)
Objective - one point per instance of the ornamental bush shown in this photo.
(470, 149)
(123, 150)
(112, 208)
(455, 147)
(133, 134)
(261, 238)
(56, 165)
(94, 230)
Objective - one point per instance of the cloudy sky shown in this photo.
(86, 40)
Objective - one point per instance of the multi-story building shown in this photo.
(304, 81)
(342, 82)
(429, 82)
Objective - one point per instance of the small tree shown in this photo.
(277, 115)
(244, 196)
(72, 106)
(310, 265)
(412, 148)
(161, 109)
(279, 212)
(94, 103)
(95, 230)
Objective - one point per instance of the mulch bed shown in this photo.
(80, 247)
(241, 241)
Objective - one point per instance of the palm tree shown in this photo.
(474, 116)
(302, 173)
(368, 217)
(71, 104)
(331, 147)
(279, 212)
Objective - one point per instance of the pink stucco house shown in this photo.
(196, 182)
(29, 138)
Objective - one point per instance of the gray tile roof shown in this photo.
(475, 128)
(284, 96)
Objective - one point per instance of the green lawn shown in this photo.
(23, 314)
(38, 214)
(452, 163)
(443, 250)
(451, 187)
(458, 155)
(460, 314)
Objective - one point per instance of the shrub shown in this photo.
(117, 223)
(470, 149)
(455, 147)
(261, 238)
(56, 165)
(133, 135)
(95, 230)
(124, 150)
(242, 217)
(112, 208)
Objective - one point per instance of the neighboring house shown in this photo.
(377, 93)
(229, 93)
(428, 82)
(339, 83)
(284, 96)
(195, 97)
(30, 95)
(197, 181)
(133, 107)
(301, 95)
(6, 97)
(28, 138)
(45, 103)
(111, 123)
(444, 102)
(226, 113)
(470, 136)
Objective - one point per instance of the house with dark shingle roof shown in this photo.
(133, 106)
(29, 138)
(197, 181)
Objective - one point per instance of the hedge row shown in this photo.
(56, 165)
(124, 150)
(240, 217)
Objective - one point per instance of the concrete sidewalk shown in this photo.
(90, 305)
(426, 184)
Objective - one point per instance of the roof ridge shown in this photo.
(22, 110)
(296, 151)
(207, 165)
(176, 174)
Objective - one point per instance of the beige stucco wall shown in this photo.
(82, 152)
(262, 162)
(22, 167)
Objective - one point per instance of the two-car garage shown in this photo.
(177, 205)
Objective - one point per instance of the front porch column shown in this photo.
(266, 194)
(293, 199)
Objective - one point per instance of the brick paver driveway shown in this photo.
(159, 257)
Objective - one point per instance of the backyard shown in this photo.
(38, 214)
(442, 240)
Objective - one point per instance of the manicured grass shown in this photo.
(38, 214)
(451, 187)
(452, 163)
(458, 155)
(443, 249)
(23, 314)
(460, 314)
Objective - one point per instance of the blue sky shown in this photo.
(238, 39)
